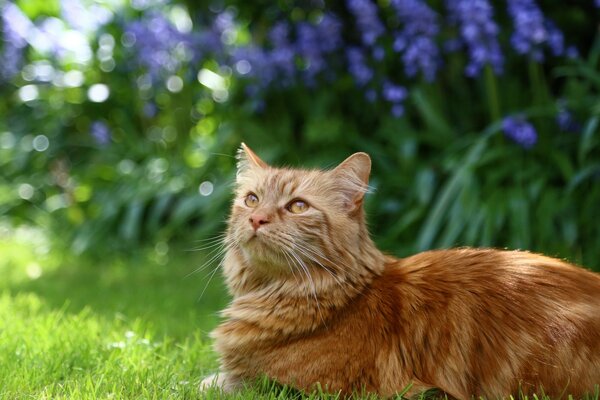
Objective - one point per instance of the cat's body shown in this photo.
(316, 303)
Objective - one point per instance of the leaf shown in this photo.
(449, 193)
(587, 136)
(132, 220)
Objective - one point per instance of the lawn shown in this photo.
(120, 326)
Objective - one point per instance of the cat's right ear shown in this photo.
(247, 159)
(352, 177)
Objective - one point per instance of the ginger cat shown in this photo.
(315, 302)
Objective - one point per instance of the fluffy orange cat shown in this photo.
(316, 303)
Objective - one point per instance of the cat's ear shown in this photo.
(246, 159)
(352, 177)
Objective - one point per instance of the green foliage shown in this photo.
(444, 174)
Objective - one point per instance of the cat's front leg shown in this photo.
(223, 381)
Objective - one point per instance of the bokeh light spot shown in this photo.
(206, 188)
(98, 93)
(25, 191)
(28, 93)
(174, 84)
(40, 143)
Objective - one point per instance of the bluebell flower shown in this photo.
(281, 57)
(371, 95)
(315, 42)
(416, 41)
(15, 27)
(520, 131)
(161, 48)
(357, 65)
(533, 30)
(565, 119)
(394, 93)
(100, 132)
(150, 110)
(367, 20)
(263, 65)
(397, 110)
(478, 33)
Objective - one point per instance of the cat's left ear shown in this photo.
(352, 176)
(248, 159)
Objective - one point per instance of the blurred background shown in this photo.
(120, 119)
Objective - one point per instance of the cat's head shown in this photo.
(285, 219)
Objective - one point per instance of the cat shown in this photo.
(316, 304)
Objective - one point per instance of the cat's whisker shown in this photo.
(211, 276)
(219, 237)
(291, 265)
(312, 283)
(209, 242)
(305, 250)
(213, 255)
(210, 246)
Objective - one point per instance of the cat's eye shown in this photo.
(297, 207)
(251, 200)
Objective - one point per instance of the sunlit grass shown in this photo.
(121, 327)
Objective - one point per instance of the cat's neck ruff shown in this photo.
(297, 304)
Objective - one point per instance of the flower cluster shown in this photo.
(100, 133)
(14, 33)
(416, 40)
(520, 131)
(296, 51)
(161, 48)
(289, 51)
(358, 67)
(478, 33)
(396, 95)
(367, 20)
(533, 30)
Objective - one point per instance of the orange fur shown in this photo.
(315, 302)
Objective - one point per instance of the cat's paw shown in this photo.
(221, 381)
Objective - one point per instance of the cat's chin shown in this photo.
(261, 254)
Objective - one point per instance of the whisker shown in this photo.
(306, 250)
(210, 279)
(212, 256)
(307, 272)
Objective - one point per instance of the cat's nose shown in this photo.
(258, 219)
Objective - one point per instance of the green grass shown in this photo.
(116, 327)
(113, 327)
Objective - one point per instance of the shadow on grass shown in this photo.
(165, 295)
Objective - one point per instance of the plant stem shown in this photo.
(492, 94)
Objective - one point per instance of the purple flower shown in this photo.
(161, 48)
(397, 110)
(367, 20)
(301, 50)
(533, 30)
(478, 33)
(520, 131)
(394, 93)
(565, 120)
(416, 41)
(15, 28)
(100, 132)
(357, 65)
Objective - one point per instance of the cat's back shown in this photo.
(477, 269)
(497, 319)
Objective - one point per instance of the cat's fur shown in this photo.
(315, 302)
